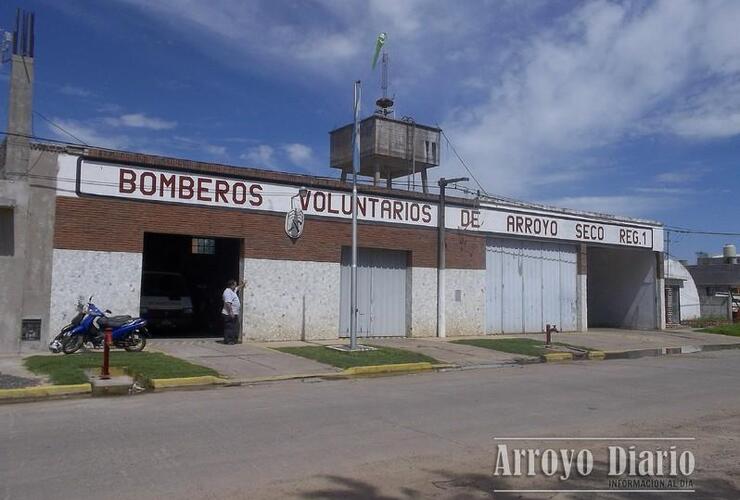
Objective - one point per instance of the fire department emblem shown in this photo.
(294, 222)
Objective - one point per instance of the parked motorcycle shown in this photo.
(89, 325)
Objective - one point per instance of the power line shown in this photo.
(62, 129)
(697, 231)
(449, 143)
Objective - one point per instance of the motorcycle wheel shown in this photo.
(72, 344)
(137, 342)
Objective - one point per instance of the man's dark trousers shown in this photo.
(231, 329)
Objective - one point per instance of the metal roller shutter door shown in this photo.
(529, 284)
(381, 293)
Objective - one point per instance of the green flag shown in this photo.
(378, 45)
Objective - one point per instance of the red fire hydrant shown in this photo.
(107, 339)
(549, 330)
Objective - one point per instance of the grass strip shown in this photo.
(729, 329)
(340, 359)
(70, 369)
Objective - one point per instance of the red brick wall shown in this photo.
(122, 224)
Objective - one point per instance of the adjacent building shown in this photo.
(681, 294)
(718, 283)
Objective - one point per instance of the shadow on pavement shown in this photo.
(468, 486)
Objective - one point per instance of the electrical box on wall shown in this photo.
(31, 329)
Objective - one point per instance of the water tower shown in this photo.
(389, 148)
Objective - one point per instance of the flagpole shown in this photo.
(355, 167)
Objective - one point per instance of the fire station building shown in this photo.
(160, 237)
(118, 226)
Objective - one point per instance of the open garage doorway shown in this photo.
(621, 285)
(182, 281)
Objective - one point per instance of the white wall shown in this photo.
(423, 303)
(466, 316)
(112, 278)
(290, 300)
(689, 297)
(622, 288)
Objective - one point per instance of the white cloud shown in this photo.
(298, 154)
(714, 114)
(630, 205)
(326, 39)
(71, 90)
(680, 176)
(259, 156)
(215, 150)
(539, 89)
(140, 120)
(603, 72)
(88, 133)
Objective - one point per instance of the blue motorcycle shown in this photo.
(89, 325)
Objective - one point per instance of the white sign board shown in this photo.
(140, 183)
(539, 225)
(148, 184)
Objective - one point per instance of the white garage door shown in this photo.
(529, 284)
(381, 293)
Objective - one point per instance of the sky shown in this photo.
(629, 108)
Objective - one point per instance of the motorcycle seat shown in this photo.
(115, 321)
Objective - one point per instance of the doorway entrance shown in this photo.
(182, 281)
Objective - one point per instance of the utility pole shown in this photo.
(355, 168)
(441, 255)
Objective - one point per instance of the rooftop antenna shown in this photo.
(385, 103)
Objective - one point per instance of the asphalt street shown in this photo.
(418, 436)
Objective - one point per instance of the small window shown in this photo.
(7, 246)
(205, 246)
(31, 329)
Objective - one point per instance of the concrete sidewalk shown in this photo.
(260, 359)
(241, 361)
(610, 340)
(13, 374)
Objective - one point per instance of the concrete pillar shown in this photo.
(582, 289)
(19, 116)
(376, 178)
(389, 181)
(344, 176)
(424, 187)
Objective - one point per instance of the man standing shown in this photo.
(230, 312)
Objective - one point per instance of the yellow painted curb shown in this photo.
(278, 378)
(557, 356)
(45, 391)
(171, 383)
(397, 368)
(600, 355)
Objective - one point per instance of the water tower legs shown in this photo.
(376, 178)
(344, 176)
(424, 180)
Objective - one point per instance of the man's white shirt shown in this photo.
(230, 297)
